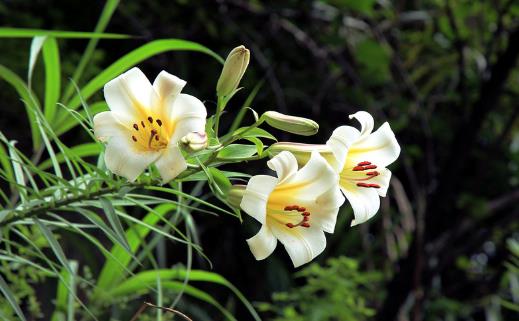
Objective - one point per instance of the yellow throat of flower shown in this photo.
(149, 134)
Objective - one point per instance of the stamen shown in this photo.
(134, 138)
(157, 138)
(368, 185)
(370, 167)
(135, 126)
(364, 163)
(374, 173)
(150, 119)
(358, 168)
(159, 122)
(142, 123)
(306, 216)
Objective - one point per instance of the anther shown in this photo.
(306, 219)
(370, 167)
(150, 119)
(290, 225)
(305, 225)
(159, 122)
(301, 209)
(364, 163)
(374, 185)
(306, 214)
(142, 123)
(153, 132)
(358, 168)
(135, 126)
(374, 173)
(363, 185)
(134, 138)
(156, 138)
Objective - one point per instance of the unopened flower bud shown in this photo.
(233, 70)
(292, 124)
(194, 141)
(235, 195)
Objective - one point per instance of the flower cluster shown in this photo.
(156, 124)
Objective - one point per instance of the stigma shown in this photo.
(304, 213)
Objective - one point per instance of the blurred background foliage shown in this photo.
(443, 73)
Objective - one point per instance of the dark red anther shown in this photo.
(374, 173)
(153, 132)
(135, 126)
(306, 214)
(363, 185)
(364, 163)
(374, 185)
(301, 209)
(306, 219)
(156, 138)
(150, 119)
(134, 138)
(159, 122)
(305, 224)
(287, 208)
(142, 123)
(290, 225)
(358, 168)
(370, 167)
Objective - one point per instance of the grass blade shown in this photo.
(114, 222)
(54, 245)
(11, 298)
(30, 33)
(52, 77)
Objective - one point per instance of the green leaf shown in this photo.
(220, 179)
(83, 150)
(8, 294)
(52, 77)
(107, 13)
(113, 270)
(114, 222)
(237, 151)
(245, 132)
(201, 176)
(30, 33)
(29, 99)
(36, 45)
(65, 295)
(54, 245)
(134, 57)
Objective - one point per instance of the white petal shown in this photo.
(382, 180)
(171, 163)
(327, 208)
(340, 141)
(314, 178)
(302, 244)
(255, 197)
(263, 243)
(123, 159)
(130, 96)
(366, 122)
(168, 87)
(380, 148)
(284, 164)
(364, 201)
(188, 114)
(106, 126)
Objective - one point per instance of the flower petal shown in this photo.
(327, 208)
(263, 243)
(302, 244)
(171, 163)
(364, 201)
(255, 197)
(380, 148)
(106, 126)
(312, 179)
(130, 96)
(188, 115)
(366, 122)
(340, 141)
(123, 159)
(284, 164)
(168, 87)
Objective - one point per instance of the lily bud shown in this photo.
(233, 70)
(292, 124)
(235, 195)
(194, 141)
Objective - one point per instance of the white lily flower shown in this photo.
(146, 122)
(361, 158)
(295, 208)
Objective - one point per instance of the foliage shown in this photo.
(337, 291)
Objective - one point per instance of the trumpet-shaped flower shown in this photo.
(295, 208)
(146, 122)
(361, 160)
